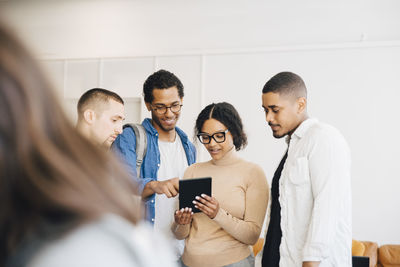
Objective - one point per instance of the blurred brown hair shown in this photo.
(49, 173)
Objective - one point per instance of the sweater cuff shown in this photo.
(221, 215)
(180, 231)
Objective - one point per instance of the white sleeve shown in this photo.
(329, 166)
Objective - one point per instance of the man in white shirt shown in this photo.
(310, 221)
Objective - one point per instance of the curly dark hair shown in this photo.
(161, 79)
(227, 115)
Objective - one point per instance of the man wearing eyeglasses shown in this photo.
(169, 150)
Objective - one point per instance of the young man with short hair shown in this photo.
(169, 150)
(100, 116)
(310, 216)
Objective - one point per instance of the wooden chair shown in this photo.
(257, 247)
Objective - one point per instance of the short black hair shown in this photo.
(97, 94)
(287, 83)
(161, 79)
(228, 116)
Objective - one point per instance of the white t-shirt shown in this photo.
(109, 241)
(173, 163)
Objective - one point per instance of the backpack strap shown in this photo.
(141, 143)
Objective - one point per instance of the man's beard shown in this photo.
(274, 134)
(279, 136)
(157, 121)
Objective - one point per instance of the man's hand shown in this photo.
(169, 187)
(208, 205)
(183, 216)
(311, 263)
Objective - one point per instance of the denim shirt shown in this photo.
(125, 147)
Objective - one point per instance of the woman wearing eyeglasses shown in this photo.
(232, 218)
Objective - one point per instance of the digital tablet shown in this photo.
(190, 188)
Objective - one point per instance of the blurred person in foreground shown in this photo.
(100, 116)
(65, 202)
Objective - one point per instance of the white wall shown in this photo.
(348, 54)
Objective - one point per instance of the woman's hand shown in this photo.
(208, 205)
(183, 216)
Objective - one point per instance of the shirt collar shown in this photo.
(303, 128)
(149, 127)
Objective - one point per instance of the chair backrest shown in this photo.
(257, 247)
(359, 261)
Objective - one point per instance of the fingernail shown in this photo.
(196, 207)
(203, 195)
(197, 197)
(182, 210)
(190, 209)
(192, 213)
(194, 202)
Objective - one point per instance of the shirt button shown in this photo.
(152, 201)
(158, 164)
(152, 219)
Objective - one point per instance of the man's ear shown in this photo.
(148, 106)
(301, 104)
(89, 115)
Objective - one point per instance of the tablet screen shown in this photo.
(190, 188)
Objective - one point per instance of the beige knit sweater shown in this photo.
(242, 191)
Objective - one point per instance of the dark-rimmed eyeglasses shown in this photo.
(162, 109)
(218, 137)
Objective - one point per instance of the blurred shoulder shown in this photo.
(109, 241)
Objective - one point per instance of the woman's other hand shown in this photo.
(208, 205)
(183, 216)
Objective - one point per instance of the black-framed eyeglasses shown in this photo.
(218, 137)
(162, 109)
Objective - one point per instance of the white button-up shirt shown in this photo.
(315, 198)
